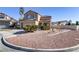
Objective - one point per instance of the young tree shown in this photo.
(21, 12)
(77, 23)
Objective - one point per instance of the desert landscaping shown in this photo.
(37, 32)
(46, 40)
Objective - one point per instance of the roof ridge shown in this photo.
(32, 11)
(7, 15)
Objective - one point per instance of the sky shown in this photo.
(57, 13)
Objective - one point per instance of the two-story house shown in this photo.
(35, 18)
(6, 21)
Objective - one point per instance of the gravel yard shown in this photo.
(45, 40)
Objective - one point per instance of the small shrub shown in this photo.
(77, 23)
(27, 28)
(34, 27)
(17, 27)
(44, 26)
(30, 28)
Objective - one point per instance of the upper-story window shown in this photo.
(30, 17)
(1, 17)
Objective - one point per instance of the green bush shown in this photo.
(30, 28)
(17, 27)
(44, 26)
(77, 22)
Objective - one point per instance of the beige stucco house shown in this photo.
(6, 21)
(32, 17)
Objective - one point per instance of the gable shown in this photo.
(30, 11)
(30, 15)
(4, 17)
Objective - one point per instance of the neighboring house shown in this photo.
(6, 21)
(63, 25)
(64, 22)
(35, 18)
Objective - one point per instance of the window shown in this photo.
(30, 17)
(1, 17)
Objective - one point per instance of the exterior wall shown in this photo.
(4, 24)
(36, 19)
(63, 23)
(5, 20)
(6, 17)
(68, 27)
(34, 15)
(77, 28)
(46, 19)
(72, 27)
(27, 22)
(36, 22)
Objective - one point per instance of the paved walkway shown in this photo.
(4, 48)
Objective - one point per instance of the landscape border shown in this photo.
(37, 50)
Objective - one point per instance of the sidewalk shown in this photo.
(4, 48)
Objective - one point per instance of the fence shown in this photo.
(72, 27)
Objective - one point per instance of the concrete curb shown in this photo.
(38, 50)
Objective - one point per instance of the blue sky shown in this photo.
(57, 13)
